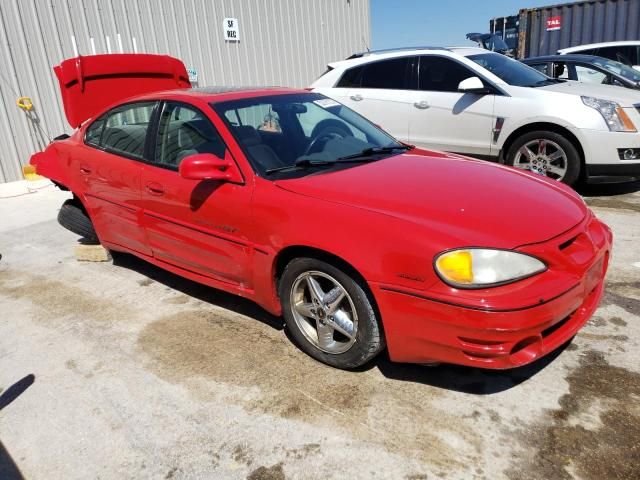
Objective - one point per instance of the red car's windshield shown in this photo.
(296, 134)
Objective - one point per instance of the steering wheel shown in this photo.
(327, 129)
(321, 139)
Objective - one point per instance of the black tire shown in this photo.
(74, 218)
(573, 169)
(369, 339)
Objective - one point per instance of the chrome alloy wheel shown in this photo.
(324, 312)
(543, 157)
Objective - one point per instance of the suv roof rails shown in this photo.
(387, 50)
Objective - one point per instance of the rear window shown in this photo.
(385, 74)
(351, 78)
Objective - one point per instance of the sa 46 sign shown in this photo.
(231, 29)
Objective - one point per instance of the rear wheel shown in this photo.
(74, 218)
(546, 153)
(329, 314)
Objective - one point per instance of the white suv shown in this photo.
(483, 104)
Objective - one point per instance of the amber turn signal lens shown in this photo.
(625, 120)
(457, 266)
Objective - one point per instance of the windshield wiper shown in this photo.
(362, 156)
(299, 163)
(371, 151)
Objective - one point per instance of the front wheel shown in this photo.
(329, 314)
(546, 153)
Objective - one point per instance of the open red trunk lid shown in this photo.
(89, 84)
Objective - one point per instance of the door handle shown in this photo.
(85, 170)
(421, 105)
(356, 98)
(154, 188)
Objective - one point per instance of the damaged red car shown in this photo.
(296, 202)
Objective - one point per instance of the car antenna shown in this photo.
(365, 45)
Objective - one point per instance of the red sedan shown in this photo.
(296, 202)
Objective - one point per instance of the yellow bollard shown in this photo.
(29, 173)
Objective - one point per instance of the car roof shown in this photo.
(466, 51)
(401, 50)
(366, 57)
(564, 58)
(599, 45)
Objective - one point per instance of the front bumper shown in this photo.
(423, 329)
(612, 170)
(602, 159)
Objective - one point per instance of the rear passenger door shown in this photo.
(199, 226)
(380, 91)
(109, 167)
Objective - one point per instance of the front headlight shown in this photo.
(482, 267)
(615, 117)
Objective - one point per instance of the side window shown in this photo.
(352, 78)
(124, 129)
(94, 132)
(622, 54)
(184, 131)
(439, 74)
(541, 67)
(590, 75)
(561, 70)
(387, 74)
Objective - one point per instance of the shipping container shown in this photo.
(507, 29)
(545, 30)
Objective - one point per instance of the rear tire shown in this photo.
(74, 218)
(338, 326)
(546, 153)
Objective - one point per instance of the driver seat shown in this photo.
(260, 152)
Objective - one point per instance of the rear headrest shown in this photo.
(248, 135)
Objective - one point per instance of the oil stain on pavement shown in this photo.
(277, 379)
(566, 441)
(58, 301)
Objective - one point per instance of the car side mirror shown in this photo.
(473, 85)
(207, 166)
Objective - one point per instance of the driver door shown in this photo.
(200, 226)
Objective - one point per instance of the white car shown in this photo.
(483, 104)
(626, 51)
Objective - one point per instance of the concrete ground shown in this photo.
(121, 370)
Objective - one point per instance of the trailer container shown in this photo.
(545, 30)
(507, 29)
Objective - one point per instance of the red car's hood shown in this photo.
(475, 202)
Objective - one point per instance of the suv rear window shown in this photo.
(385, 74)
(351, 78)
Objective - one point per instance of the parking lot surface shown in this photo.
(121, 370)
